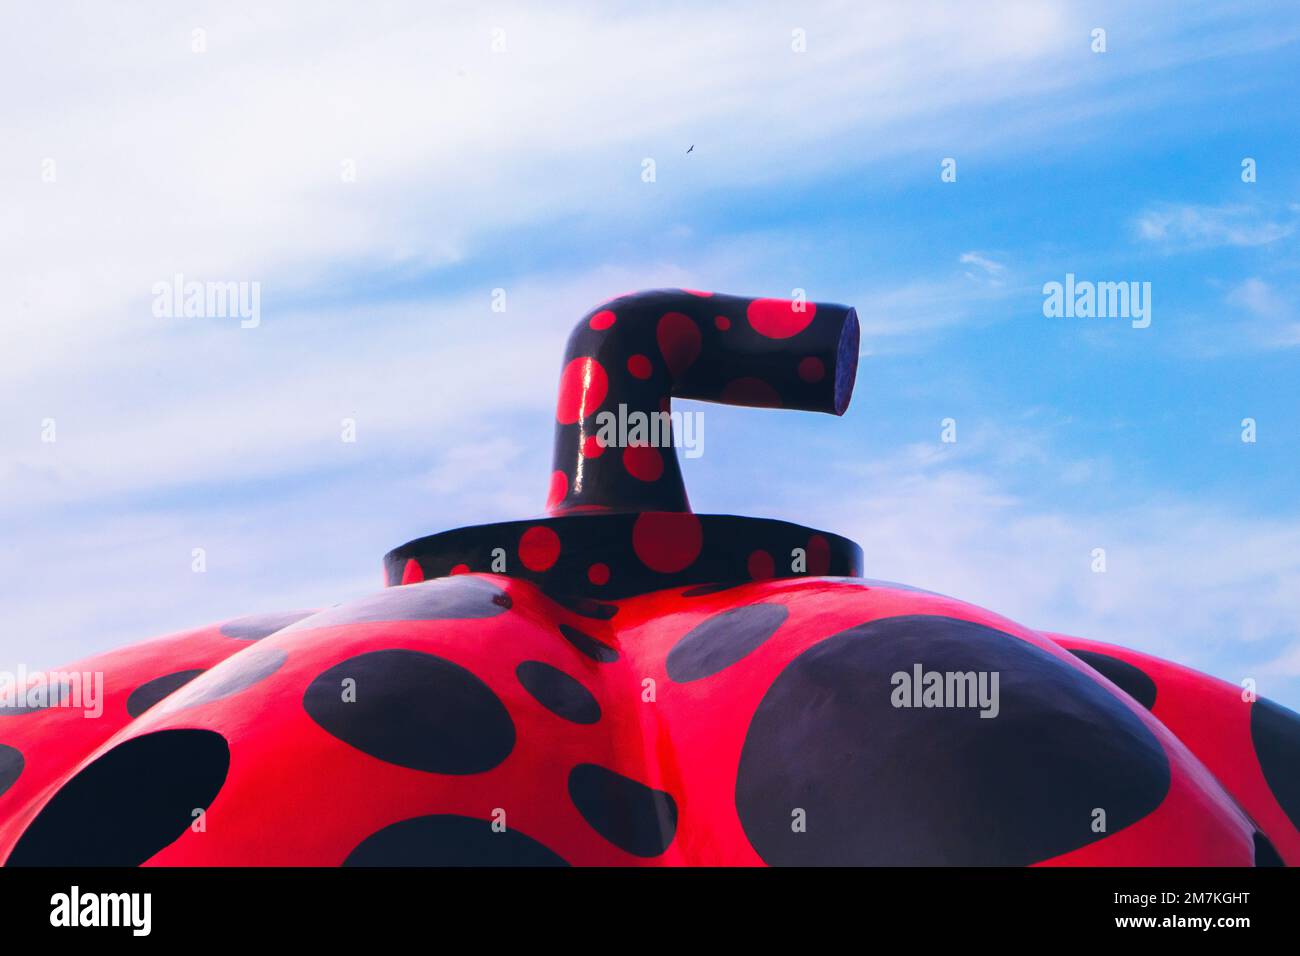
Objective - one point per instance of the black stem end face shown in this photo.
(846, 365)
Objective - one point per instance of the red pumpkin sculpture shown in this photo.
(625, 682)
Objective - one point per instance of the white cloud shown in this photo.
(1272, 318)
(1200, 585)
(986, 270)
(982, 262)
(1187, 227)
(226, 164)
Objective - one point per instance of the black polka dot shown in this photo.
(1128, 678)
(457, 598)
(11, 766)
(589, 645)
(1265, 853)
(635, 818)
(1275, 731)
(447, 840)
(723, 639)
(34, 698)
(559, 693)
(150, 692)
(254, 627)
(587, 607)
(702, 589)
(414, 710)
(129, 804)
(878, 785)
(231, 676)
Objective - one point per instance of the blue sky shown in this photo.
(521, 170)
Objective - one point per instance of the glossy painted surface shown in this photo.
(1252, 746)
(632, 355)
(643, 686)
(595, 556)
(649, 738)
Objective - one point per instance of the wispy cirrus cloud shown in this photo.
(1195, 227)
(1272, 320)
(983, 267)
(1183, 579)
(453, 142)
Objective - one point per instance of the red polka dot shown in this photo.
(583, 386)
(666, 404)
(753, 392)
(679, 341)
(778, 319)
(538, 548)
(460, 569)
(412, 572)
(598, 574)
(812, 370)
(643, 462)
(591, 447)
(558, 489)
(702, 295)
(602, 320)
(761, 566)
(722, 322)
(639, 366)
(819, 555)
(667, 541)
